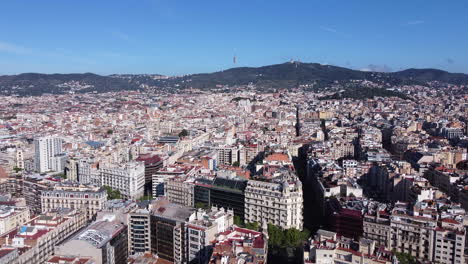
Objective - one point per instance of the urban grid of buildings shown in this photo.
(203, 177)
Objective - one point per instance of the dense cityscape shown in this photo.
(246, 176)
(234, 132)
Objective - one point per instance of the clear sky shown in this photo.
(177, 37)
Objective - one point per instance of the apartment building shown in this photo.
(168, 230)
(12, 217)
(202, 230)
(104, 240)
(227, 155)
(8, 255)
(33, 185)
(376, 226)
(129, 179)
(449, 242)
(413, 235)
(279, 201)
(139, 232)
(87, 197)
(45, 148)
(71, 169)
(180, 191)
(165, 174)
(327, 248)
(36, 239)
(19, 158)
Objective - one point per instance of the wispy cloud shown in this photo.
(334, 31)
(120, 35)
(377, 68)
(415, 22)
(13, 48)
(329, 29)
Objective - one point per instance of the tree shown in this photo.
(236, 164)
(253, 226)
(288, 238)
(183, 133)
(200, 205)
(111, 193)
(109, 131)
(238, 221)
(16, 169)
(405, 258)
(275, 235)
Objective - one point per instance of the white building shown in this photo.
(278, 202)
(45, 148)
(202, 231)
(90, 199)
(128, 179)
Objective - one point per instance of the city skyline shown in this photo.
(174, 38)
(216, 132)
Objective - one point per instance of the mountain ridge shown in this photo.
(284, 75)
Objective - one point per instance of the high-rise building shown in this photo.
(168, 230)
(45, 148)
(139, 232)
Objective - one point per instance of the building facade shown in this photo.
(89, 198)
(12, 217)
(128, 179)
(279, 203)
(45, 148)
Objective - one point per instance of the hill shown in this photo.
(37, 84)
(288, 75)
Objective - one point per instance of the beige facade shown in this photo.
(11, 217)
(278, 203)
(413, 235)
(39, 236)
(89, 198)
(179, 191)
(449, 243)
(378, 228)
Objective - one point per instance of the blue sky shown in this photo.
(177, 37)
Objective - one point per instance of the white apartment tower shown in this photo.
(45, 148)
